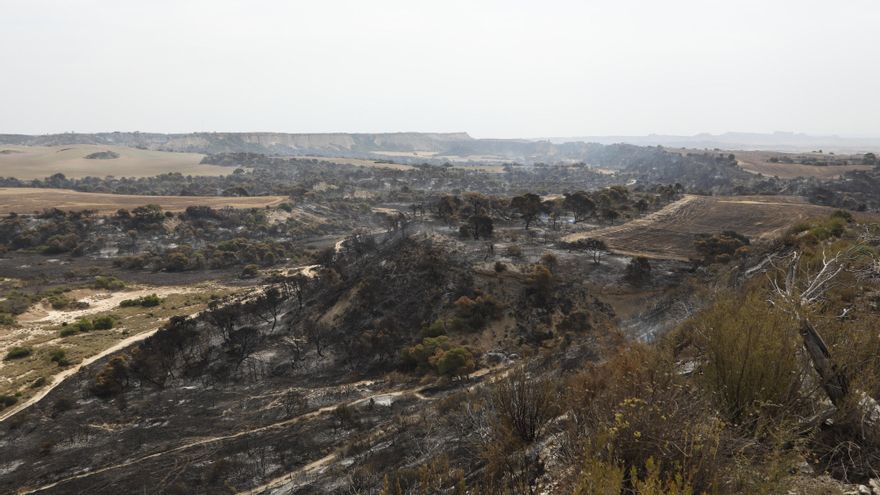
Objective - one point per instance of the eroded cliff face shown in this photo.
(266, 142)
(400, 146)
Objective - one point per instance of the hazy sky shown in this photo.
(492, 68)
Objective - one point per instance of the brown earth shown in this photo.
(26, 200)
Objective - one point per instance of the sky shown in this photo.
(491, 68)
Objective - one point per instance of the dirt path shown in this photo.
(59, 378)
(281, 480)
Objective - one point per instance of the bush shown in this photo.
(524, 405)
(145, 302)
(59, 302)
(58, 356)
(68, 331)
(455, 362)
(103, 322)
(250, 271)
(440, 355)
(18, 353)
(719, 248)
(474, 314)
(435, 329)
(7, 400)
(6, 319)
(752, 359)
(638, 271)
(843, 215)
(108, 283)
(83, 325)
(113, 378)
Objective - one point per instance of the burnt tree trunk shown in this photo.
(834, 382)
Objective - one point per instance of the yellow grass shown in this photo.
(37, 162)
(670, 232)
(28, 199)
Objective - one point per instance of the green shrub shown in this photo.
(108, 283)
(83, 325)
(7, 400)
(103, 323)
(59, 302)
(58, 356)
(68, 331)
(146, 302)
(455, 362)
(843, 215)
(18, 353)
(6, 319)
(435, 329)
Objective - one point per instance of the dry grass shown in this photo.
(670, 232)
(26, 200)
(758, 162)
(37, 162)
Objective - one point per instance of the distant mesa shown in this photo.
(103, 155)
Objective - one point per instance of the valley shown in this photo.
(344, 325)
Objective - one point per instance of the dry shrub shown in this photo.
(634, 409)
(754, 366)
(524, 405)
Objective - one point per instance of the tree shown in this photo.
(638, 271)
(147, 214)
(481, 226)
(580, 205)
(610, 214)
(315, 333)
(554, 209)
(456, 362)
(528, 206)
(797, 292)
(268, 305)
(596, 248)
(447, 207)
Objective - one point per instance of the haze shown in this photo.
(492, 68)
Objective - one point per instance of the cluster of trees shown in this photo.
(200, 237)
(478, 212)
(235, 252)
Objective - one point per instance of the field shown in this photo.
(758, 162)
(37, 162)
(670, 232)
(26, 200)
